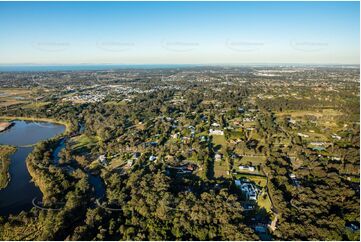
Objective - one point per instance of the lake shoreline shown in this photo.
(21, 186)
(33, 119)
(5, 126)
(6, 161)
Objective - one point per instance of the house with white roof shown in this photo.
(216, 132)
(246, 168)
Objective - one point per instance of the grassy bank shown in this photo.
(5, 152)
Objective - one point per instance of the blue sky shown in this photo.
(179, 32)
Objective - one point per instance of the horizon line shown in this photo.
(176, 64)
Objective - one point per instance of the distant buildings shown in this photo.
(216, 132)
(175, 136)
(303, 135)
(103, 160)
(129, 163)
(291, 121)
(216, 125)
(86, 98)
(241, 110)
(184, 169)
(317, 143)
(294, 180)
(218, 157)
(335, 136)
(203, 139)
(152, 158)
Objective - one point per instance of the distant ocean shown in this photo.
(39, 68)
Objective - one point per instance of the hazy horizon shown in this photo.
(179, 33)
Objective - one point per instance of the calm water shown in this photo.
(17, 196)
(41, 68)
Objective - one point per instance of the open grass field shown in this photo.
(327, 118)
(115, 163)
(327, 122)
(258, 179)
(246, 160)
(7, 92)
(82, 142)
(34, 105)
(120, 103)
(220, 168)
(9, 102)
(315, 136)
(264, 201)
(296, 114)
(13, 96)
(235, 134)
(219, 141)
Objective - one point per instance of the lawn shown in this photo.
(220, 140)
(300, 114)
(10, 102)
(235, 134)
(120, 103)
(264, 201)
(83, 141)
(115, 163)
(257, 179)
(325, 117)
(13, 96)
(36, 105)
(254, 161)
(220, 168)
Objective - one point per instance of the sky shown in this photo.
(63, 33)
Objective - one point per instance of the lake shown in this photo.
(18, 195)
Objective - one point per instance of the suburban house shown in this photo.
(216, 132)
(248, 188)
(291, 121)
(218, 157)
(184, 169)
(294, 179)
(129, 163)
(175, 136)
(203, 138)
(152, 158)
(136, 155)
(335, 136)
(247, 168)
(303, 135)
(103, 160)
(216, 125)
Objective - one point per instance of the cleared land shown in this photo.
(220, 168)
(82, 142)
(13, 96)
